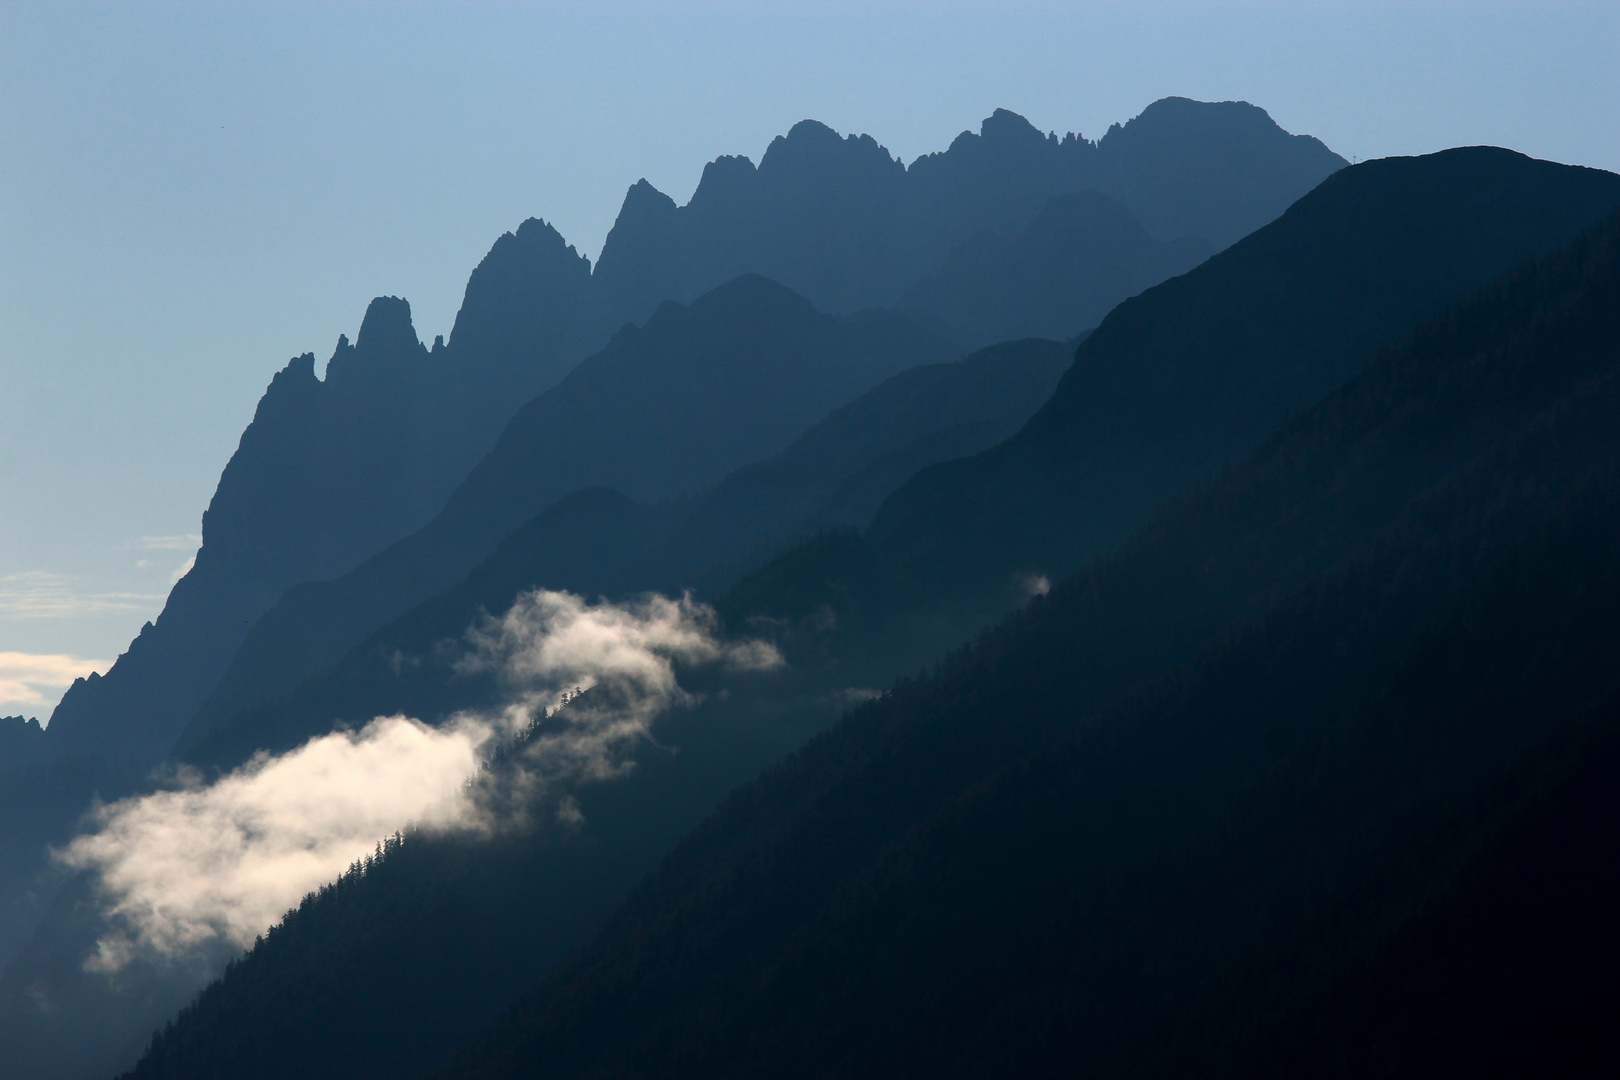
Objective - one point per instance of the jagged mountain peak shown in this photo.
(387, 337)
(1184, 119)
(726, 177)
(1000, 133)
(642, 197)
(812, 145)
(538, 230)
(1005, 127)
(524, 299)
(299, 372)
(387, 327)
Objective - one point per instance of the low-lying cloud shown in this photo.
(184, 868)
(551, 644)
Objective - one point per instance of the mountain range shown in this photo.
(1176, 567)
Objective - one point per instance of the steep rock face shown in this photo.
(331, 470)
(596, 542)
(848, 226)
(529, 315)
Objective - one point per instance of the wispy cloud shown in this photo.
(183, 542)
(40, 595)
(553, 643)
(183, 869)
(36, 680)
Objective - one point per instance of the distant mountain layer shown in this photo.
(1070, 257)
(842, 222)
(599, 543)
(1081, 255)
(664, 410)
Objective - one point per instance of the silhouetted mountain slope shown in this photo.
(1194, 372)
(665, 409)
(846, 225)
(1401, 593)
(20, 739)
(1356, 851)
(597, 542)
(41, 800)
(332, 470)
(1081, 255)
(1306, 573)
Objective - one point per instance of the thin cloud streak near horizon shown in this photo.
(37, 594)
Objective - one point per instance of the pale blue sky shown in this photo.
(192, 193)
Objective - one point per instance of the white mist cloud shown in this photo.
(37, 680)
(182, 869)
(1034, 584)
(549, 644)
(183, 542)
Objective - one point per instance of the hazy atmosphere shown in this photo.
(190, 194)
(814, 541)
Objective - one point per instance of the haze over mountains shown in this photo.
(1237, 452)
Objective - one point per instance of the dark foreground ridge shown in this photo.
(854, 903)
(1391, 747)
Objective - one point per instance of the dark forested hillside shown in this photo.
(1174, 385)
(1198, 370)
(1403, 681)
(850, 910)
